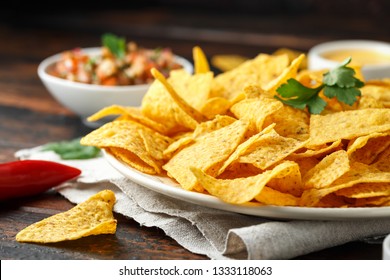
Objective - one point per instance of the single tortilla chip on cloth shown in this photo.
(91, 217)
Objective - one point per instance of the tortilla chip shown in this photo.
(177, 146)
(193, 89)
(358, 173)
(292, 54)
(332, 200)
(382, 162)
(290, 122)
(159, 106)
(187, 108)
(288, 73)
(377, 90)
(91, 217)
(317, 151)
(238, 170)
(366, 148)
(327, 170)
(373, 201)
(227, 62)
(244, 148)
(366, 102)
(305, 164)
(310, 78)
(290, 184)
(366, 190)
(255, 110)
(128, 113)
(257, 71)
(270, 149)
(132, 160)
(218, 122)
(269, 196)
(208, 152)
(140, 140)
(240, 190)
(219, 105)
(200, 61)
(347, 125)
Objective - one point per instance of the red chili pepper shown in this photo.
(30, 177)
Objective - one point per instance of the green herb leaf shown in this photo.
(340, 83)
(72, 149)
(340, 76)
(345, 95)
(293, 88)
(156, 53)
(316, 105)
(301, 96)
(116, 45)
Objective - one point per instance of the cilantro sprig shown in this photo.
(116, 45)
(340, 83)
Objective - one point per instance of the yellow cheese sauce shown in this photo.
(359, 56)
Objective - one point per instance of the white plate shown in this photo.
(168, 187)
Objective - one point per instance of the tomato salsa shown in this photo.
(118, 64)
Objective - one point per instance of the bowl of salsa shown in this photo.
(86, 80)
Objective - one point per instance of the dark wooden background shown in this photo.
(29, 116)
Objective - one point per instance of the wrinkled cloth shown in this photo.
(215, 233)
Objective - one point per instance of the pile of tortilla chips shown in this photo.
(227, 136)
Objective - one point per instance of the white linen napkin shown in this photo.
(215, 233)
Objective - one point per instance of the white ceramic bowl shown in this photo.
(86, 99)
(317, 61)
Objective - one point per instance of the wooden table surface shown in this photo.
(29, 116)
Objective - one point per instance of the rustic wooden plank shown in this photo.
(251, 32)
(130, 241)
(20, 99)
(16, 129)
